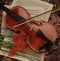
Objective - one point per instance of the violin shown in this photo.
(33, 35)
(30, 35)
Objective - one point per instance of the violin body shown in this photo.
(32, 40)
(27, 34)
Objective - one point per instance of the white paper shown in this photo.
(34, 7)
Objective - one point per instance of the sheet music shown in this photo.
(34, 7)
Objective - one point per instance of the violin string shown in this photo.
(31, 19)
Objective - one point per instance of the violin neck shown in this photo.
(12, 14)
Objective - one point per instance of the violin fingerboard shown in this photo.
(6, 2)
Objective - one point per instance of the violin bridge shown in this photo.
(31, 27)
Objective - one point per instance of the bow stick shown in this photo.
(31, 19)
(17, 17)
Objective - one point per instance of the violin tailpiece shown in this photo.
(47, 44)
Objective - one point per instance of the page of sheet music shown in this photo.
(34, 7)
